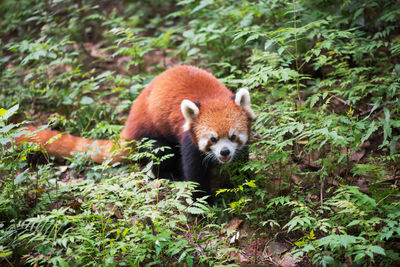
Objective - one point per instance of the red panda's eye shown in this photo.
(213, 139)
(233, 137)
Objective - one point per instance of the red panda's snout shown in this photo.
(222, 148)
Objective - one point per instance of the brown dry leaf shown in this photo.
(234, 224)
(93, 208)
(76, 204)
(309, 160)
(243, 259)
(156, 57)
(355, 156)
(312, 198)
(155, 184)
(117, 213)
(313, 156)
(134, 221)
(363, 185)
(123, 60)
(365, 144)
(238, 257)
(288, 261)
(275, 248)
(62, 168)
(94, 50)
(69, 180)
(296, 179)
(332, 181)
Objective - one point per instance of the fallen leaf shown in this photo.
(288, 260)
(365, 144)
(276, 248)
(296, 179)
(112, 208)
(62, 168)
(94, 50)
(355, 156)
(234, 224)
(363, 185)
(311, 198)
(76, 204)
(234, 238)
(239, 257)
(243, 259)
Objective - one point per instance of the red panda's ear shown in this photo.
(189, 111)
(242, 99)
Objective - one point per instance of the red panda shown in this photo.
(185, 108)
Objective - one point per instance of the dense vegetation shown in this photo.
(322, 184)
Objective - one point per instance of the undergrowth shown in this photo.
(322, 179)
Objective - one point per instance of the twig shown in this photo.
(321, 193)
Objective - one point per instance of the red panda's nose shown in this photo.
(225, 151)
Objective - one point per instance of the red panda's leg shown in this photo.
(169, 167)
(193, 168)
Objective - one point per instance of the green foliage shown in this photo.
(123, 220)
(324, 78)
(354, 224)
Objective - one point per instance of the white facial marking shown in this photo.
(203, 141)
(243, 137)
(223, 145)
(232, 132)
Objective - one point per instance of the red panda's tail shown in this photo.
(61, 145)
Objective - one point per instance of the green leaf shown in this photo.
(86, 100)
(63, 263)
(371, 129)
(194, 210)
(193, 51)
(359, 256)
(189, 261)
(378, 250)
(8, 113)
(7, 128)
(21, 177)
(314, 100)
(182, 256)
(251, 183)
(327, 261)
(202, 5)
(355, 222)
(5, 254)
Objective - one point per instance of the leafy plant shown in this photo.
(322, 178)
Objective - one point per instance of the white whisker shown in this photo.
(208, 158)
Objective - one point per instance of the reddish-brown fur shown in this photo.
(61, 145)
(158, 106)
(156, 113)
(229, 116)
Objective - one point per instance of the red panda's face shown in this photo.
(220, 127)
(221, 144)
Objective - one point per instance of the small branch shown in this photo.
(321, 193)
